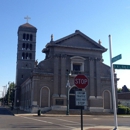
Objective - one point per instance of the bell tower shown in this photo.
(26, 49)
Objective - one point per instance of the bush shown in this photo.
(123, 109)
(128, 110)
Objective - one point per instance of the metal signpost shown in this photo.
(81, 101)
(113, 84)
(81, 81)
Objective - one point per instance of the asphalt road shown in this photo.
(10, 122)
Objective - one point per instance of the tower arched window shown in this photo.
(24, 36)
(23, 55)
(30, 55)
(23, 46)
(27, 56)
(31, 37)
(27, 37)
(27, 46)
(30, 46)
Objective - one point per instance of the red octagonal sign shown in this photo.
(81, 81)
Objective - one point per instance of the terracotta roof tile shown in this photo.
(27, 25)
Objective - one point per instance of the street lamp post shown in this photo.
(68, 85)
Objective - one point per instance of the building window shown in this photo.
(31, 37)
(23, 46)
(77, 64)
(30, 46)
(23, 55)
(27, 37)
(24, 36)
(76, 67)
(30, 55)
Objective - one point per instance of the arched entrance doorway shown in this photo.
(72, 98)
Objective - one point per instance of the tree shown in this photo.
(125, 89)
(9, 97)
(119, 90)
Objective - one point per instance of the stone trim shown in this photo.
(92, 97)
(99, 97)
(63, 96)
(55, 95)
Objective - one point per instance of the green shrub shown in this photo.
(122, 110)
(128, 110)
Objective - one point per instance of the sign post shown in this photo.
(81, 81)
(81, 101)
(113, 86)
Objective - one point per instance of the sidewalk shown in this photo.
(103, 128)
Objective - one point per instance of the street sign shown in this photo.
(81, 98)
(81, 81)
(114, 59)
(117, 66)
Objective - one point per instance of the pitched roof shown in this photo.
(27, 25)
(77, 32)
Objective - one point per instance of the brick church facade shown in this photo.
(43, 85)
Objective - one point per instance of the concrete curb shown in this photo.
(104, 128)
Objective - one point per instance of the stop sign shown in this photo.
(81, 81)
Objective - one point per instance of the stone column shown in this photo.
(98, 77)
(32, 89)
(91, 80)
(56, 75)
(63, 76)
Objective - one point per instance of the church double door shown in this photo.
(72, 102)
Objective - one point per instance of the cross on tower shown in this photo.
(27, 18)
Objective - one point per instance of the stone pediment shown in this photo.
(77, 40)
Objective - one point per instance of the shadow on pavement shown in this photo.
(5, 111)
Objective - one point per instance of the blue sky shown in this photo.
(95, 18)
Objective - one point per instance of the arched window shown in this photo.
(27, 56)
(27, 37)
(24, 36)
(27, 46)
(31, 37)
(30, 55)
(30, 46)
(22, 76)
(23, 46)
(23, 55)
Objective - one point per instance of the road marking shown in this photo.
(75, 123)
(50, 128)
(48, 122)
(62, 120)
(96, 119)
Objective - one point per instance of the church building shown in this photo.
(44, 85)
